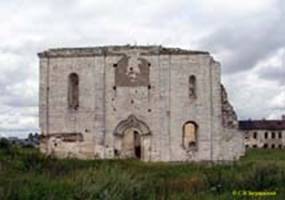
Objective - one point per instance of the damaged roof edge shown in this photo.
(116, 50)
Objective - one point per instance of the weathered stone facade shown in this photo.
(146, 102)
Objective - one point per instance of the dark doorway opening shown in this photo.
(137, 145)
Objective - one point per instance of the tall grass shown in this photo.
(27, 174)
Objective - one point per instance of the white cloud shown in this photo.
(278, 102)
(259, 92)
(236, 8)
(243, 35)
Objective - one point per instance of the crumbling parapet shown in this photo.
(229, 116)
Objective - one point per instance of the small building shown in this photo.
(264, 133)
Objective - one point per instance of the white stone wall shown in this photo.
(164, 108)
(260, 140)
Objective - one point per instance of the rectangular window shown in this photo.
(273, 135)
(265, 135)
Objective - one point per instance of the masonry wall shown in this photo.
(261, 141)
(170, 105)
(62, 120)
(165, 107)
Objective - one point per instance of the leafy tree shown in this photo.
(4, 143)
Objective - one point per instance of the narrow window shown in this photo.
(265, 146)
(192, 87)
(137, 145)
(273, 146)
(280, 146)
(255, 135)
(265, 135)
(280, 135)
(190, 135)
(273, 135)
(73, 91)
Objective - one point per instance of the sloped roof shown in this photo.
(262, 125)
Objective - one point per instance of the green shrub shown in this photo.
(27, 174)
(4, 143)
(262, 177)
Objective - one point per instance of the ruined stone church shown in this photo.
(144, 102)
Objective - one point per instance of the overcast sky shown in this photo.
(246, 36)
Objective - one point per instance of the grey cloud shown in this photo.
(274, 74)
(19, 101)
(248, 41)
(37, 25)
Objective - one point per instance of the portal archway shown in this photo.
(132, 139)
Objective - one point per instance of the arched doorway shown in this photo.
(132, 137)
(131, 144)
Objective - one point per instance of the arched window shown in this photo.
(190, 135)
(192, 87)
(73, 91)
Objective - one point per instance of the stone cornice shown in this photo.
(116, 51)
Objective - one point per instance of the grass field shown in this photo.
(26, 174)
